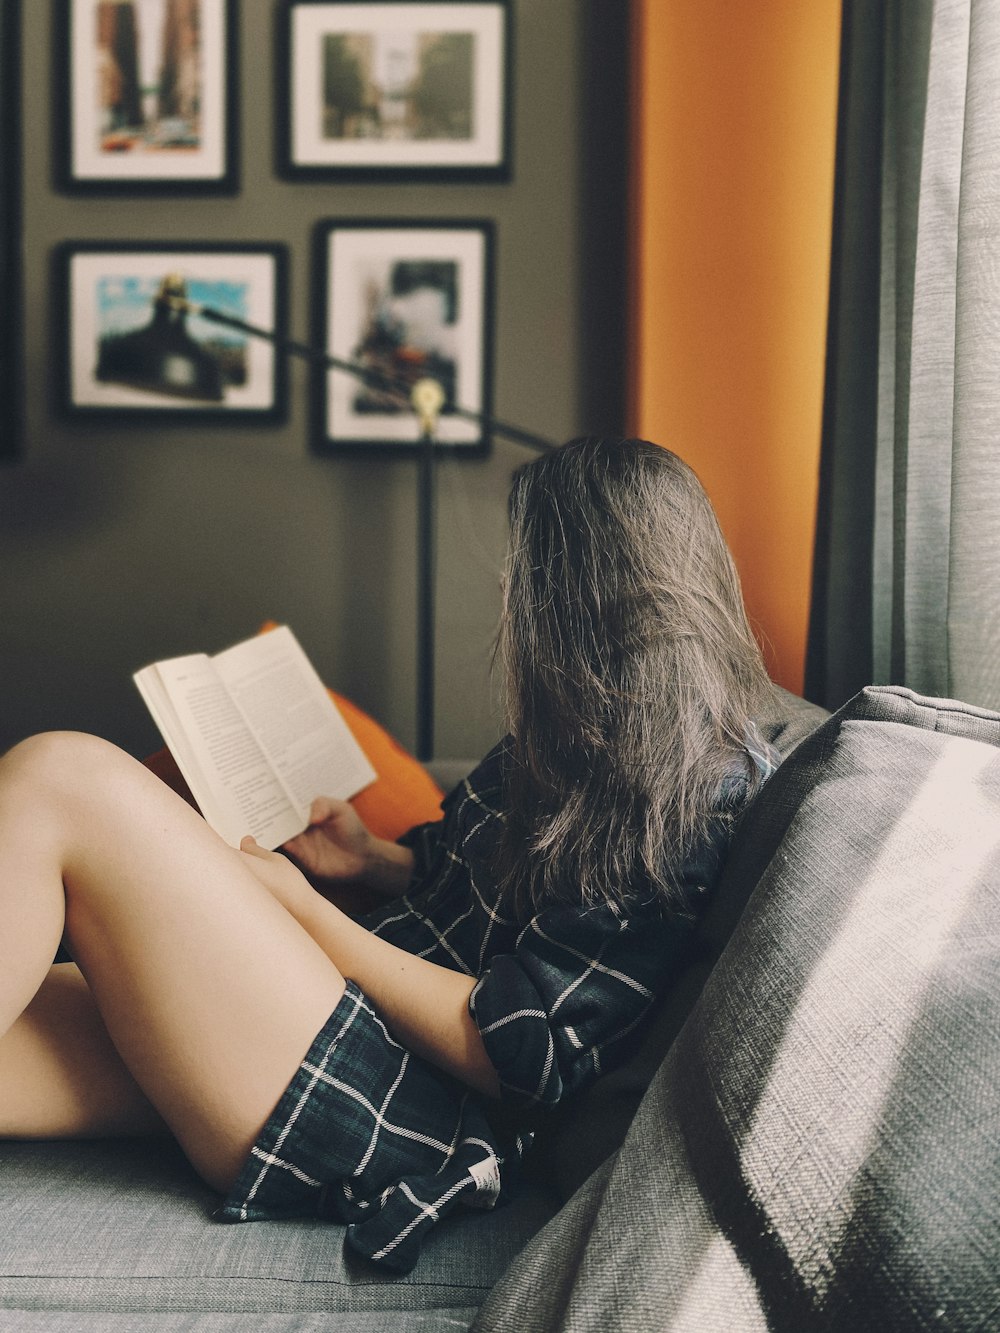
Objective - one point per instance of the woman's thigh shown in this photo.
(210, 990)
(60, 1074)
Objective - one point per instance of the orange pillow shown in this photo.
(402, 795)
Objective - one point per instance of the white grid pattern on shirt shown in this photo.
(271, 1159)
(431, 1210)
(593, 965)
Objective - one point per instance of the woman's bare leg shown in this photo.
(211, 992)
(61, 1075)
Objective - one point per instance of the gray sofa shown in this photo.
(818, 1146)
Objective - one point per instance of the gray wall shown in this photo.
(119, 545)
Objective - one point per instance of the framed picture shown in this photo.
(11, 336)
(405, 301)
(133, 348)
(402, 90)
(146, 95)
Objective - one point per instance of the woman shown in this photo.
(524, 937)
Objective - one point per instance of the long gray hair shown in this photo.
(630, 673)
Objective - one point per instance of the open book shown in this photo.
(255, 734)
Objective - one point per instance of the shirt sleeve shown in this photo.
(434, 844)
(559, 1010)
(425, 841)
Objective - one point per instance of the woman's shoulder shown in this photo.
(484, 784)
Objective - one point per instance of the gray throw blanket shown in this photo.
(820, 1150)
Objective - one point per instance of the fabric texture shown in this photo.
(558, 995)
(393, 1321)
(580, 1136)
(908, 533)
(819, 1150)
(372, 1135)
(122, 1228)
(560, 998)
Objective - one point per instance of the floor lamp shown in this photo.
(163, 357)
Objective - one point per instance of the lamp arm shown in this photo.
(375, 379)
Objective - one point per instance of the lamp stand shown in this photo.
(427, 398)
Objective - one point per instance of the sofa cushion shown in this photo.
(583, 1134)
(126, 1227)
(820, 1147)
(386, 1321)
(787, 719)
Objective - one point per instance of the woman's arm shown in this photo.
(337, 849)
(426, 1006)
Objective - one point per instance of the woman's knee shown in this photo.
(56, 764)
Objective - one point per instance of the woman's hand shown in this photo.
(282, 879)
(338, 848)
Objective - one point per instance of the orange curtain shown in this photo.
(734, 128)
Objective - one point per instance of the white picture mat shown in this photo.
(89, 163)
(311, 23)
(359, 256)
(88, 268)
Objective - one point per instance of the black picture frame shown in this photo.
(406, 298)
(132, 145)
(106, 293)
(11, 285)
(462, 59)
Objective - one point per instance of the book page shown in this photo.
(298, 726)
(223, 764)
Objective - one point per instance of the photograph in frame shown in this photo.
(148, 88)
(406, 301)
(397, 89)
(132, 349)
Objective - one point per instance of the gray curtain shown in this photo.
(907, 571)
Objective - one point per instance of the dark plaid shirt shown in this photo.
(372, 1135)
(559, 998)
